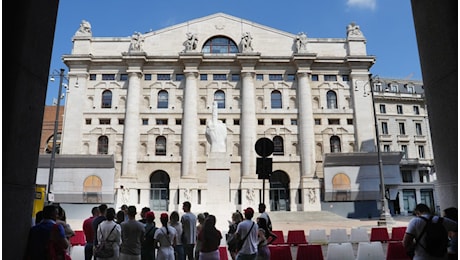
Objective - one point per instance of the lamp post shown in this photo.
(385, 216)
(50, 197)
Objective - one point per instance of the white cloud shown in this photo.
(370, 4)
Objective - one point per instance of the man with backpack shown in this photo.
(426, 235)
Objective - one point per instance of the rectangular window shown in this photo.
(260, 121)
(314, 77)
(275, 77)
(399, 109)
(163, 77)
(198, 196)
(203, 77)
(145, 121)
(277, 121)
(240, 197)
(178, 121)
(404, 151)
(202, 121)
(104, 121)
(121, 121)
(290, 77)
(161, 121)
(259, 77)
(345, 78)
(92, 76)
(88, 121)
(236, 122)
(406, 176)
(333, 121)
(386, 147)
(402, 129)
(219, 76)
(383, 109)
(179, 77)
(293, 121)
(330, 77)
(123, 77)
(418, 129)
(416, 110)
(147, 76)
(424, 176)
(235, 77)
(299, 195)
(384, 128)
(317, 121)
(421, 151)
(349, 121)
(108, 76)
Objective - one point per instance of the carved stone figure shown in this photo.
(216, 132)
(353, 30)
(246, 42)
(85, 28)
(192, 42)
(137, 41)
(311, 196)
(301, 42)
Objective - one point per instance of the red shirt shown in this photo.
(88, 229)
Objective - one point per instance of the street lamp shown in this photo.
(50, 196)
(385, 216)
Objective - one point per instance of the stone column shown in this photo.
(248, 124)
(189, 124)
(306, 125)
(131, 126)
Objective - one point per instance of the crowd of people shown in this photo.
(190, 236)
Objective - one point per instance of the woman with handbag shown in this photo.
(231, 238)
(109, 235)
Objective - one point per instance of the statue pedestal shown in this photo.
(218, 189)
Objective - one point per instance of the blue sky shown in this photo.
(387, 24)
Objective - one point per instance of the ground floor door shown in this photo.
(279, 192)
(409, 200)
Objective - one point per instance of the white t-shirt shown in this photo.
(250, 244)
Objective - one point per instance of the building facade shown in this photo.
(155, 101)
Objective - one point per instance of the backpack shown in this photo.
(436, 238)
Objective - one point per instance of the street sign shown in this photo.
(264, 168)
(264, 147)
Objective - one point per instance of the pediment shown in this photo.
(103, 131)
(335, 131)
(170, 40)
(278, 131)
(160, 131)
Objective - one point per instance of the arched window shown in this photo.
(106, 99)
(49, 144)
(103, 145)
(335, 144)
(276, 99)
(221, 45)
(331, 99)
(219, 97)
(159, 191)
(163, 99)
(160, 145)
(341, 187)
(278, 145)
(92, 187)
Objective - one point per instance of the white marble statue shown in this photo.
(301, 42)
(216, 132)
(137, 41)
(192, 42)
(246, 42)
(85, 28)
(353, 30)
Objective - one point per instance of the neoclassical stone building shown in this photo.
(149, 100)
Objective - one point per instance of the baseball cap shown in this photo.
(164, 216)
(249, 210)
(150, 215)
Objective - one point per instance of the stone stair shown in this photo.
(301, 217)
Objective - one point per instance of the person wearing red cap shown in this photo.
(148, 244)
(247, 231)
(165, 238)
